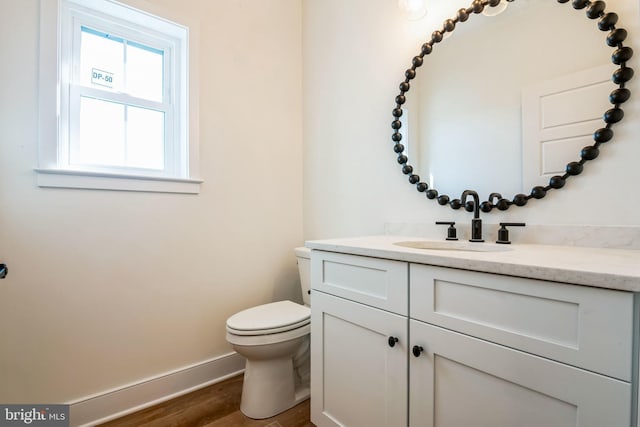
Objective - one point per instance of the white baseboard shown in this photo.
(116, 403)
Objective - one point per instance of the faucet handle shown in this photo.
(503, 233)
(451, 231)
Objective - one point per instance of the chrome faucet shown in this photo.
(476, 222)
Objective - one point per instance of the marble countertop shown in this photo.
(600, 267)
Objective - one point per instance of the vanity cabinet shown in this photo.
(469, 348)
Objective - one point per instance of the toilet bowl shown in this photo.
(274, 339)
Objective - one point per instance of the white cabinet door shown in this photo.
(459, 380)
(357, 378)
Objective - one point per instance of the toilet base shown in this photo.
(269, 388)
(276, 377)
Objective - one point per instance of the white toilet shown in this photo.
(274, 338)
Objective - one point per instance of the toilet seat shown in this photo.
(266, 319)
(267, 339)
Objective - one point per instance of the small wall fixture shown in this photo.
(415, 9)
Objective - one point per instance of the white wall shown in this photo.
(356, 53)
(108, 288)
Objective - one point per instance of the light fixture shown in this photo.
(415, 9)
(500, 6)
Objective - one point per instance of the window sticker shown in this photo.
(101, 77)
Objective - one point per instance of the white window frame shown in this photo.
(60, 23)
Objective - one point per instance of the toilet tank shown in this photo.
(304, 269)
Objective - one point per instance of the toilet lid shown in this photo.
(269, 318)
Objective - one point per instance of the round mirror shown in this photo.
(461, 114)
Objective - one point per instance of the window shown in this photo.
(117, 115)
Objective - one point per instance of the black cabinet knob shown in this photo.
(392, 341)
(417, 350)
(3, 271)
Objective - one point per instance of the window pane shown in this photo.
(112, 134)
(110, 62)
(101, 60)
(144, 72)
(145, 138)
(102, 133)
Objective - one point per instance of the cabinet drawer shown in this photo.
(376, 282)
(582, 326)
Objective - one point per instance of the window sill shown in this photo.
(61, 178)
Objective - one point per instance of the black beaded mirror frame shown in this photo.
(606, 22)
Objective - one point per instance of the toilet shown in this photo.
(274, 339)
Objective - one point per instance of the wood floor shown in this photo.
(214, 406)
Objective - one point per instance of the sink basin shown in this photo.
(453, 246)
